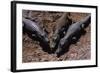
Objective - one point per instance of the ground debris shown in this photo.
(32, 51)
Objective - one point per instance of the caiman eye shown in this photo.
(82, 26)
(55, 38)
(62, 42)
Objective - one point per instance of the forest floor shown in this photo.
(33, 52)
